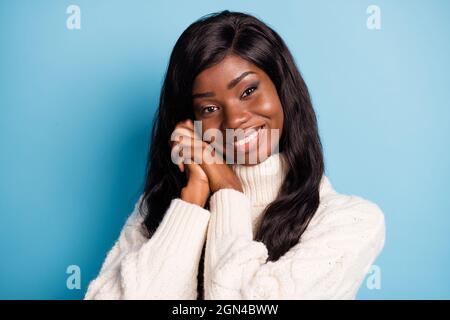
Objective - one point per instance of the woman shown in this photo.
(273, 228)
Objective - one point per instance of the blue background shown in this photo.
(76, 108)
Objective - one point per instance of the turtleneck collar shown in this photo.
(261, 182)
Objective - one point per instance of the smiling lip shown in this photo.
(250, 139)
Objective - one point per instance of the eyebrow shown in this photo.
(230, 86)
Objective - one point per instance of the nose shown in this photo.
(235, 116)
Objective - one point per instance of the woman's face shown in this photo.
(235, 94)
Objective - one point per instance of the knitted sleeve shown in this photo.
(162, 267)
(335, 252)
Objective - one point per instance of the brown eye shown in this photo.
(249, 91)
(209, 109)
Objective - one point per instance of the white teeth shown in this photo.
(247, 139)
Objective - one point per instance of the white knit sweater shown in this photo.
(337, 249)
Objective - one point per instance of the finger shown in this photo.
(178, 137)
(192, 151)
(184, 130)
(177, 156)
(178, 133)
(188, 123)
(185, 123)
(195, 131)
(195, 150)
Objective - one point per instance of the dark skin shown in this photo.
(252, 101)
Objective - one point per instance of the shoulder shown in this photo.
(134, 227)
(136, 216)
(351, 218)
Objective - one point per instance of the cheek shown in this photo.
(270, 107)
(279, 117)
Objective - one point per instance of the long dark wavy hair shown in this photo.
(203, 44)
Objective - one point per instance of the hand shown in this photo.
(197, 189)
(219, 174)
